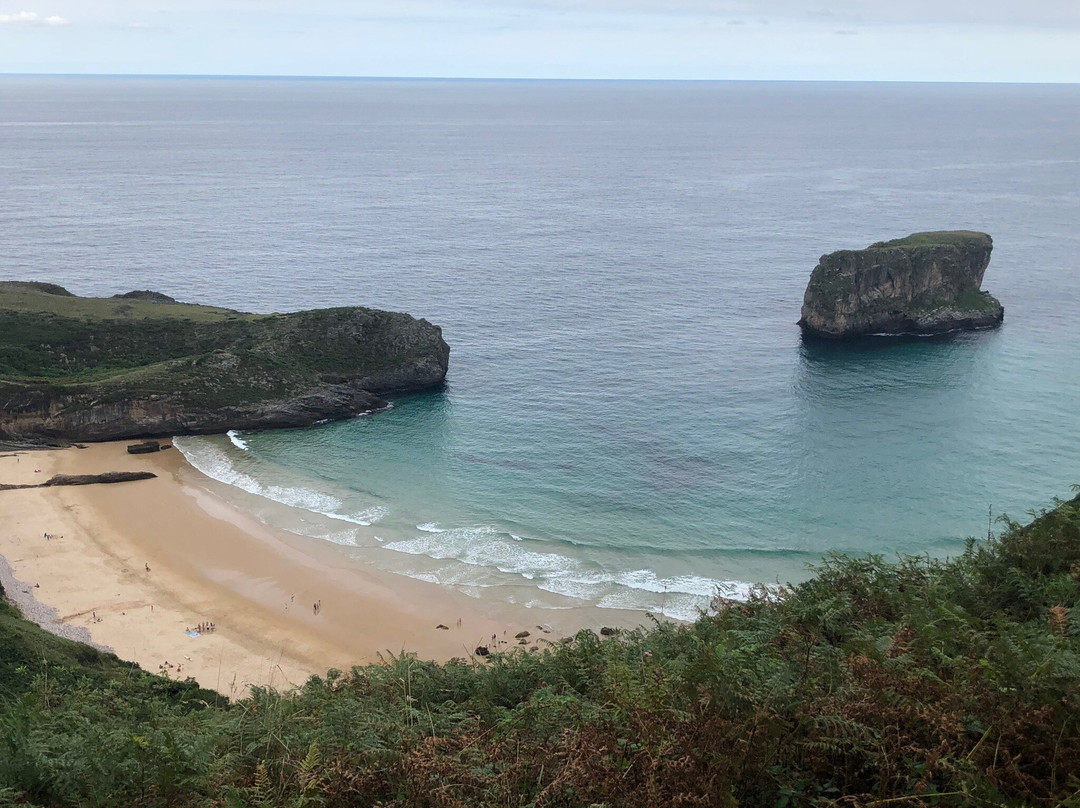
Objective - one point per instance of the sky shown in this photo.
(849, 40)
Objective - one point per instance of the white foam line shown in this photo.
(366, 517)
(682, 597)
(237, 441)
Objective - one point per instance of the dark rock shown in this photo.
(608, 631)
(442, 627)
(146, 447)
(926, 283)
(47, 288)
(482, 650)
(145, 294)
(521, 634)
(109, 477)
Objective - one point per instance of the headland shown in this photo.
(142, 364)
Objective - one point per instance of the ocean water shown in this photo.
(631, 417)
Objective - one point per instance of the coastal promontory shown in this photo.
(141, 365)
(927, 283)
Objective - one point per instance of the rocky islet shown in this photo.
(926, 283)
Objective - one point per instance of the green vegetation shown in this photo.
(938, 238)
(915, 683)
(976, 300)
(101, 368)
(972, 301)
(48, 298)
(829, 284)
(51, 337)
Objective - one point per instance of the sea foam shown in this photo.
(682, 597)
(237, 441)
(214, 462)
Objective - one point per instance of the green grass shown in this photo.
(937, 238)
(913, 682)
(975, 300)
(108, 349)
(45, 298)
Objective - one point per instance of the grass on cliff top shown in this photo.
(47, 298)
(51, 337)
(911, 683)
(936, 238)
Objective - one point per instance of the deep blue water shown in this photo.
(618, 268)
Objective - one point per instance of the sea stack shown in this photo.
(927, 283)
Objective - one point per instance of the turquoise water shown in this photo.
(631, 416)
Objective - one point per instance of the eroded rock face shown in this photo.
(926, 283)
(88, 369)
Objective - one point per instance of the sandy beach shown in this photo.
(141, 565)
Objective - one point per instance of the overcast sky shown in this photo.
(922, 40)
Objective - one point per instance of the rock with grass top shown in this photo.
(927, 283)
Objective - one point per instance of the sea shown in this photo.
(631, 418)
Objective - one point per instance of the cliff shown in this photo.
(141, 365)
(926, 283)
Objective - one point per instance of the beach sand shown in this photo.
(140, 564)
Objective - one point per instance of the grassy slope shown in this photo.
(28, 651)
(44, 298)
(937, 238)
(912, 683)
(112, 349)
(53, 337)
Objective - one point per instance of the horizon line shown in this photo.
(344, 77)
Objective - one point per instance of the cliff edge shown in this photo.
(87, 369)
(927, 283)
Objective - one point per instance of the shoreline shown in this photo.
(137, 564)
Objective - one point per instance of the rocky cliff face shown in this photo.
(924, 284)
(86, 369)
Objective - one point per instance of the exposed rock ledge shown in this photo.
(107, 478)
(140, 365)
(927, 283)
